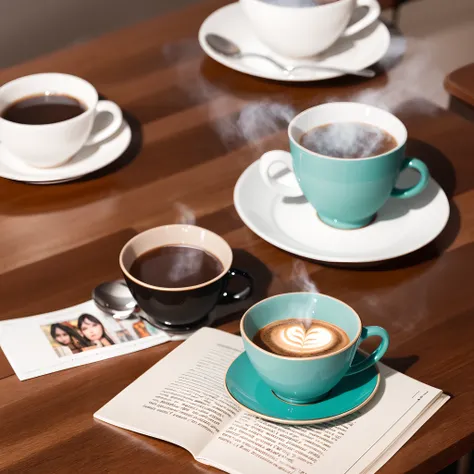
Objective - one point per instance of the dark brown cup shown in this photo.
(182, 309)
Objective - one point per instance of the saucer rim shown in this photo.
(21, 177)
(313, 421)
(263, 75)
(312, 255)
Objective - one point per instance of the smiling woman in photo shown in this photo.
(93, 330)
(67, 336)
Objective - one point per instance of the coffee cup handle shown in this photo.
(232, 297)
(419, 166)
(267, 160)
(106, 106)
(377, 354)
(372, 14)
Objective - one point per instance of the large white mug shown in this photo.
(49, 145)
(298, 32)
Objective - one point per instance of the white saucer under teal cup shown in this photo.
(346, 193)
(246, 387)
(301, 380)
(401, 226)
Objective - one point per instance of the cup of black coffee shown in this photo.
(346, 158)
(45, 119)
(179, 273)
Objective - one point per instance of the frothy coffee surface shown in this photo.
(348, 140)
(301, 338)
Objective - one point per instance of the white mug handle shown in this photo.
(367, 20)
(265, 163)
(113, 109)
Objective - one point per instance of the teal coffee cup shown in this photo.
(346, 192)
(307, 379)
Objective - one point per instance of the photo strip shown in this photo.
(89, 332)
(71, 337)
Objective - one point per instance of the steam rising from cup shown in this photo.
(185, 214)
(255, 121)
(186, 263)
(301, 281)
(300, 278)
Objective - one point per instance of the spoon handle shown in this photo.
(290, 69)
(359, 73)
(268, 58)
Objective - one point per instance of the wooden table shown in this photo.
(57, 242)
(460, 86)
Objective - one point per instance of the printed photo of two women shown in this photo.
(89, 332)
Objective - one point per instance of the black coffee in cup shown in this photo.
(351, 140)
(176, 266)
(179, 273)
(42, 109)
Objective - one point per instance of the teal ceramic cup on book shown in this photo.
(308, 379)
(346, 193)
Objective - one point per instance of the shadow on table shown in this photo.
(401, 364)
(127, 156)
(261, 277)
(300, 95)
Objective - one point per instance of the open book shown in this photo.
(182, 399)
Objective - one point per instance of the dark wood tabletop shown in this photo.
(460, 84)
(57, 242)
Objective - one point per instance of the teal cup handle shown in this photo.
(377, 354)
(419, 166)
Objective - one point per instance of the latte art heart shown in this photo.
(305, 340)
(300, 338)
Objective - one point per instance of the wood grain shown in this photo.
(460, 84)
(58, 242)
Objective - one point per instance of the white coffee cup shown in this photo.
(298, 32)
(50, 145)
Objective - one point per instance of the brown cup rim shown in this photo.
(226, 268)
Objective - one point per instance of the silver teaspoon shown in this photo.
(228, 48)
(114, 298)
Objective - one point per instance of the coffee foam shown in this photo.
(295, 338)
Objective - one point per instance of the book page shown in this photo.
(181, 399)
(374, 460)
(249, 444)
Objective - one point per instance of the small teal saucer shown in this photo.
(245, 386)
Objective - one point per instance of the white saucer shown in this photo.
(88, 159)
(358, 52)
(402, 225)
